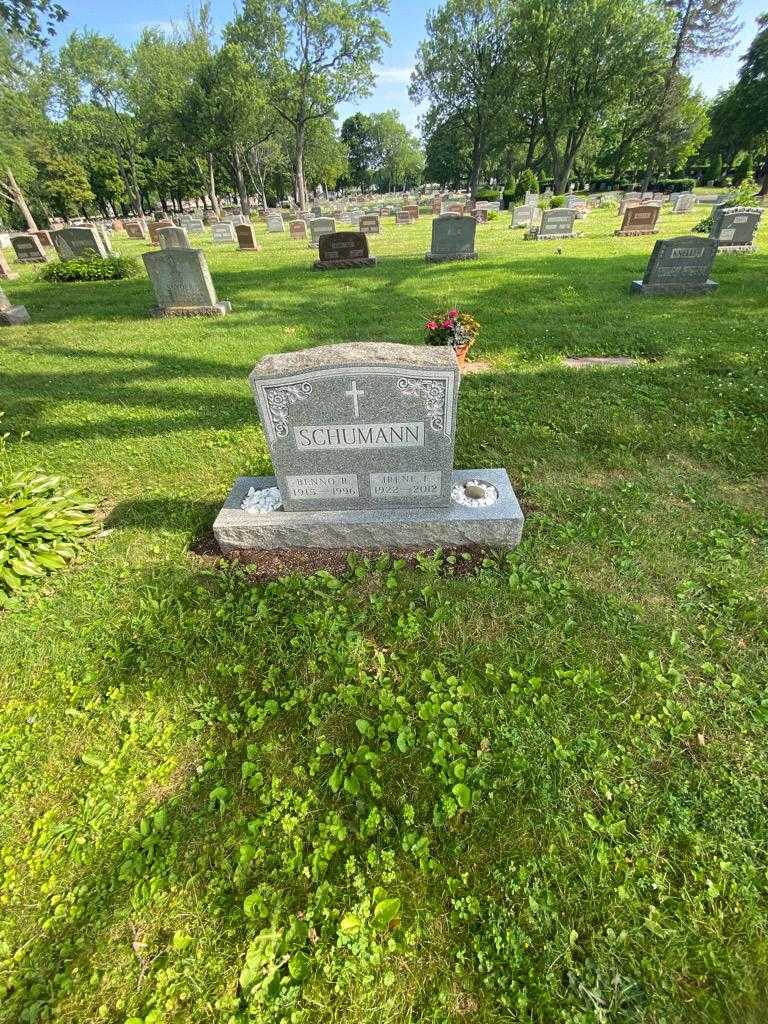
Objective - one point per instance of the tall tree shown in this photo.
(466, 69)
(313, 54)
(740, 115)
(94, 69)
(357, 134)
(226, 110)
(587, 56)
(702, 28)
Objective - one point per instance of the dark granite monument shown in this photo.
(678, 266)
(734, 227)
(343, 250)
(453, 238)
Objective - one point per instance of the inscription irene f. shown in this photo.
(404, 485)
(359, 435)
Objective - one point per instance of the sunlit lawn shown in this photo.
(555, 763)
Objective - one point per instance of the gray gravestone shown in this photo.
(339, 418)
(275, 222)
(734, 227)
(343, 250)
(173, 238)
(6, 274)
(155, 226)
(223, 232)
(453, 238)
(11, 315)
(137, 229)
(194, 226)
(361, 438)
(70, 243)
(28, 249)
(639, 220)
(683, 202)
(557, 223)
(678, 266)
(246, 238)
(298, 229)
(320, 226)
(403, 217)
(525, 216)
(182, 284)
(531, 199)
(369, 224)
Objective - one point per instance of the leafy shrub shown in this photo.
(42, 525)
(744, 195)
(487, 195)
(91, 267)
(556, 201)
(743, 170)
(491, 214)
(673, 185)
(526, 182)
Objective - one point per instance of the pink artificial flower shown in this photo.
(453, 313)
(447, 323)
(431, 325)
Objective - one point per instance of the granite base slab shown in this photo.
(363, 261)
(218, 309)
(432, 257)
(737, 248)
(14, 315)
(498, 525)
(634, 234)
(649, 290)
(529, 237)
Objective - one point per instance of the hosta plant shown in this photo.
(42, 527)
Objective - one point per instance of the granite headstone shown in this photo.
(343, 250)
(182, 284)
(678, 266)
(28, 249)
(639, 220)
(734, 227)
(453, 238)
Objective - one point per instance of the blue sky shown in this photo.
(405, 23)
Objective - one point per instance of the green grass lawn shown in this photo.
(535, 792)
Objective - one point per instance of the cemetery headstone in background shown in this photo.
(639, 220)
(369, 224)
(194, 226)
(361, 438)
(28, 249)
(481, 215)
(173, 238)
(524, 216)
(413, 209)
(343, 250)
(298, 229)
(531, 199)
(223, 232)
(320, 226)
(557, 223)
(11, 315)
(6, 274)
(137, 229)
(678, 266)
(734, 227)
(182, 284)
(275, 222)
(403, 217)
(70, 243)
(683, 202)
(246, 238)
(453, 238)
(154, 227)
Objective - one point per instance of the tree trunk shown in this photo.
(477, 163)
(674, 67)
(299, 186)
(212, 187)
(242, 190)
(531, 148)
(135, 183)
(20, 201)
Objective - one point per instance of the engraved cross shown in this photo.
(354, 394)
